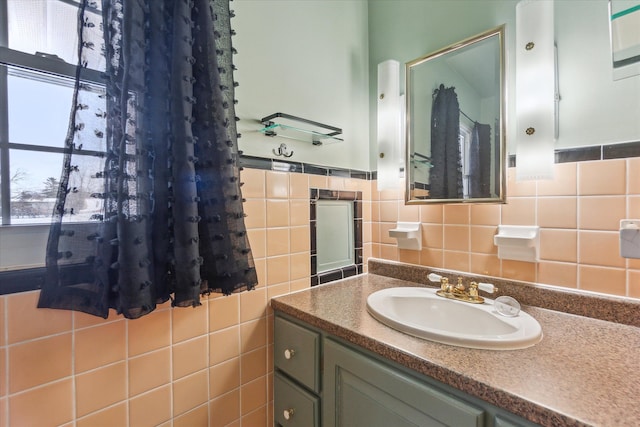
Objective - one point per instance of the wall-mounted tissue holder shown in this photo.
(408, 234)
(518, 242)
(630, 238)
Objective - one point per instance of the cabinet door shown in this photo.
(504, 420)
(362, 392)
(292, 405)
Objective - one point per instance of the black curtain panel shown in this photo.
(445, 175)
(149, 206)
(480, 161)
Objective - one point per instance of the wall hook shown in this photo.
(282, 151)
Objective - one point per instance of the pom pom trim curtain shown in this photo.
(445, 175)
(149, 206)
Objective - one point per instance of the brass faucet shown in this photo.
(460, 292)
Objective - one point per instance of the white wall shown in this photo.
(308, 58)
(408, 29)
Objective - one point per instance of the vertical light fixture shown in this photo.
(536, 90)
(389, 125)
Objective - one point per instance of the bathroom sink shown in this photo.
(420, 312)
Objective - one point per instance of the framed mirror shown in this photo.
(625, 37)
(456, 123)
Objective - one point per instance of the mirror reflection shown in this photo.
(625, 37)
(455, 136)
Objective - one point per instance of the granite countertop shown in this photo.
(585, 371)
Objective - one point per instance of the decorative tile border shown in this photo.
(297, 167)
(562, 155)
(316, 194)
(620, 151)
(593, 152)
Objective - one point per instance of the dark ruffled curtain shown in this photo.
(445, 175)
(480, 161)
(149, 206)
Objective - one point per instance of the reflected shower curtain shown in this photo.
(149, 207)
(445, 176)
(480, 161)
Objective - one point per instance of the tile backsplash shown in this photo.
(184, 367)
(578, 212)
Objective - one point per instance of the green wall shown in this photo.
(594, 108)
(408, 29)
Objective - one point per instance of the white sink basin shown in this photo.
(420, 312)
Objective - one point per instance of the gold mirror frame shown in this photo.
(417, 95)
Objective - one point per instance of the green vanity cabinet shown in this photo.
(362, 392)
(330, 383)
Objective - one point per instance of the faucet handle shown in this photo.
(444, 282)
(433, 277)
(487, 287)
(473, 291)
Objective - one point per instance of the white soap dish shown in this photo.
(408, 234)
(518, 242)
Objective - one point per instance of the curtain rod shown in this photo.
(465, 114)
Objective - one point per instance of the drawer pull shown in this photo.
(288, 413)
(289, 353)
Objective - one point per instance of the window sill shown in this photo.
(29, 279)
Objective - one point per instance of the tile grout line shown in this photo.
(469, 249)
(627, 190)
(127, 409)
(208, 337)
(5, 336)
(239, 329)
(171, 379)
(578, 228)
(74, 391)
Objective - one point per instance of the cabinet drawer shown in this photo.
(290, 401)
(297, 352)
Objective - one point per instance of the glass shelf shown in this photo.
(282, 125)
(421, 160)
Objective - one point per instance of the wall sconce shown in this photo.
(389, 125)
(536, 90)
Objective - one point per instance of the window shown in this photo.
(464, 139)
(38, 53)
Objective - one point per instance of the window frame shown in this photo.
(25, 278)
